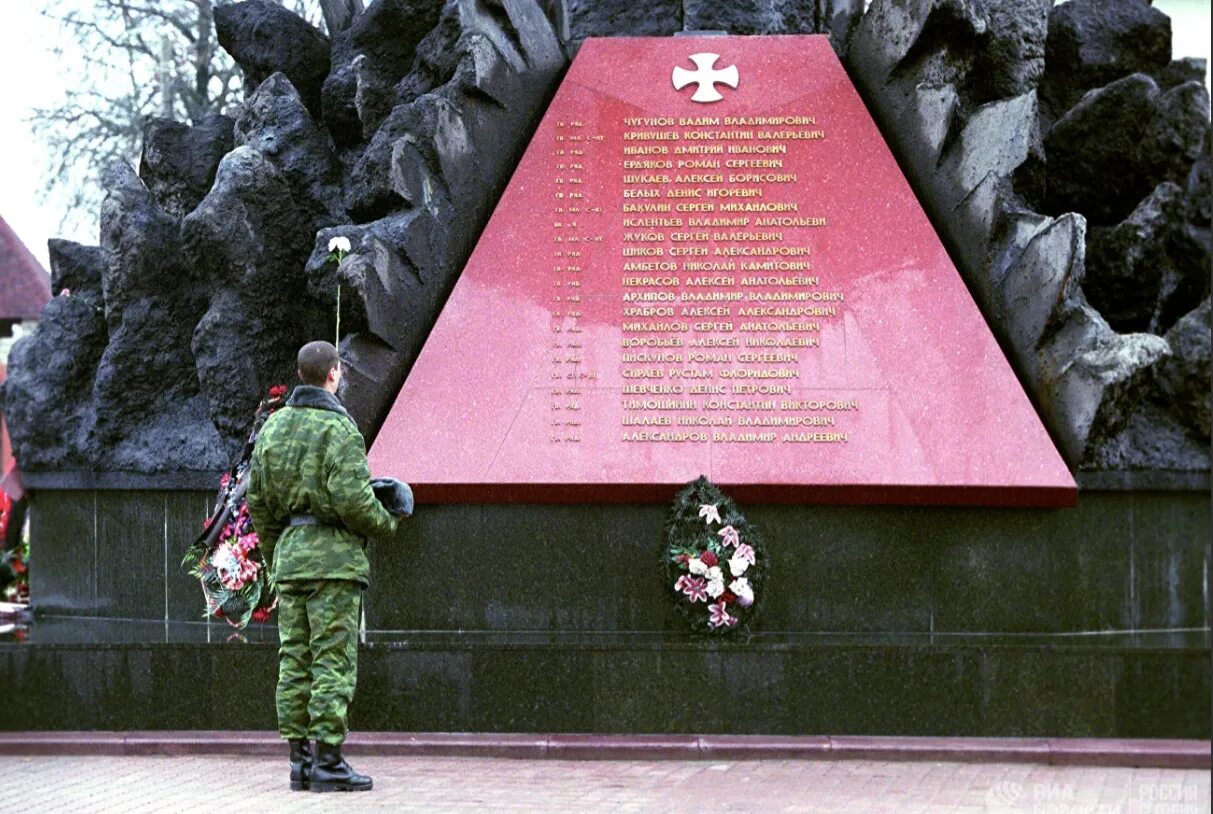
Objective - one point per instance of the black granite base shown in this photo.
(115, 553)
(1121, 560)
(98, 674)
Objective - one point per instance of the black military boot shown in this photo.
(330, 772)
(301, 764)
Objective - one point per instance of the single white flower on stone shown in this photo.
(339, 244)
(710, 513)
(696, 566)
(745, 594)
(738, 565)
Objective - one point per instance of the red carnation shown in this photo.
(683, 558)
(708, 559)
(728, 597)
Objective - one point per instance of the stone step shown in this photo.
(1150, 752)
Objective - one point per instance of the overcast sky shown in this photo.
(32, 78)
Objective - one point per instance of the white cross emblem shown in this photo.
(706, 77)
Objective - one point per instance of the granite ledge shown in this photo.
(1140, 752)
(77, 480)
(1142, 480)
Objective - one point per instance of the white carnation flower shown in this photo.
(745, 594)
(715, 574)
(738, 566)
(696, 566)
(715, 587)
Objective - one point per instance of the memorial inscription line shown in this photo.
(723, 294)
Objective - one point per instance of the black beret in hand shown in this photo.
(396, 496)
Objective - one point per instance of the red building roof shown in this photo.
(24, 285)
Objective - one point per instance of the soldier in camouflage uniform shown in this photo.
(313, 508)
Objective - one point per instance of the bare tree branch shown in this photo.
(339, 14)
(130, 60)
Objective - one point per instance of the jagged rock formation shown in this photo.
(265, 38)
(620, 18)
(179, 162)
(1092, 44)
(1065, 157)
(1061, 150)
(48, 400)
(213, 265)
(478, 84)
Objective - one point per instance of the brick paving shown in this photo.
(132, 785)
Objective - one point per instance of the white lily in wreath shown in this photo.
(710, 512)
(744, 593)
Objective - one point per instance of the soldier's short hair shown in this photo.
(315, 360)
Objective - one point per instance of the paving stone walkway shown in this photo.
(132, 785)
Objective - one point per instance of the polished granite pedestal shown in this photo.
(879, 620)
(1121, 560)
(75, 674)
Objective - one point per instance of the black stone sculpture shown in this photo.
(1062, 151)
(1074, 191)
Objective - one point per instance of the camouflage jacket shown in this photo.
(311, 459)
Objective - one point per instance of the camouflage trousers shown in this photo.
(317, 657)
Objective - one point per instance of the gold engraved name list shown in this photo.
(722, 295)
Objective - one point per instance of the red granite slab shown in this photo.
(901, 396)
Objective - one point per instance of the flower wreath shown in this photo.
(715, 563)
(226, 558)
